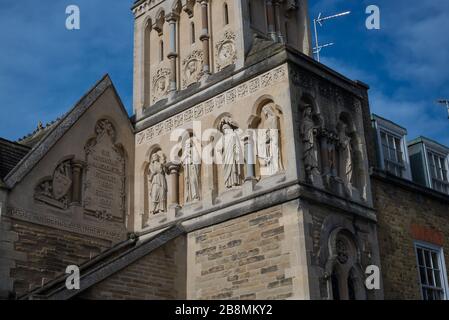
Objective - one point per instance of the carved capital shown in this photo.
(173, 168)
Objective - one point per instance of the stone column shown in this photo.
(173, 171)
(205, 35)
(172, 55)
(270, 19)
(77, 170)
(277, 21)
(250, 159)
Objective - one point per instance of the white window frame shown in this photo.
(390, 128)
(442, 265)
(402, 165)
(445, 164)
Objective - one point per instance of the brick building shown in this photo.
(305, 191)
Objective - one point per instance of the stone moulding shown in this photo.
(231, 96)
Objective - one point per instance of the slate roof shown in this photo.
(10, 155)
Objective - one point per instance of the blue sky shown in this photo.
(45, 69)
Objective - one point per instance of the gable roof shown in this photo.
(52, 136)
(10, 155)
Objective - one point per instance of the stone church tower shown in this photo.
(287, 213)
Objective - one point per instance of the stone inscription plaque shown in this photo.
(104, 194)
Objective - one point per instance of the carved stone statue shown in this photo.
(271, 153)
(233, 153)
(309, 131)
(157, 184)
(191, 173)
(346, 168)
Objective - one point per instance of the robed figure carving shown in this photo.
(191, 163)
(158, 184)
(269, 149)
(346, 162)
(232, 153)
(309, 131)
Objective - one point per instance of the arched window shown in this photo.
(226, 14)
(161, 50)
(192, 32)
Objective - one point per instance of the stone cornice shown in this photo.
(409, 185)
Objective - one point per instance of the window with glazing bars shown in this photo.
(431, 273)
(392, 152)
(438, 172)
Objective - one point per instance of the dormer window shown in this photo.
(392, 153)
(438, 172)
(392, 147)
(430, 164)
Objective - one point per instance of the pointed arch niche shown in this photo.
(350, 157)
(267, 115)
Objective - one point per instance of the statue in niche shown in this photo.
(269, 149)
(233, 153)
(157, 184)
(309, 131)
(191, 172)
(347, 165)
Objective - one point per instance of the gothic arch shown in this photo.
(346, 123)
(266, 116)
(343, 271)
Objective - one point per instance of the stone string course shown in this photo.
(231, 96)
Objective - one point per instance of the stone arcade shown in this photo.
(289, 215)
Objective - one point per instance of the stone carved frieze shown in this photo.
(192, 67)
(226, 53)
(231, 96)
(104, 187)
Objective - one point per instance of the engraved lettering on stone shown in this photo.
(104, 196)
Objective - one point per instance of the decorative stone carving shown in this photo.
(269, 148)
(226, 53)
(56, 191)
(161, 81)
(192, 68)
(309, 131)
(157, 183)
(223, 99)
(104, 188)
(342, 251)
(232, 153)
(192, 173)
